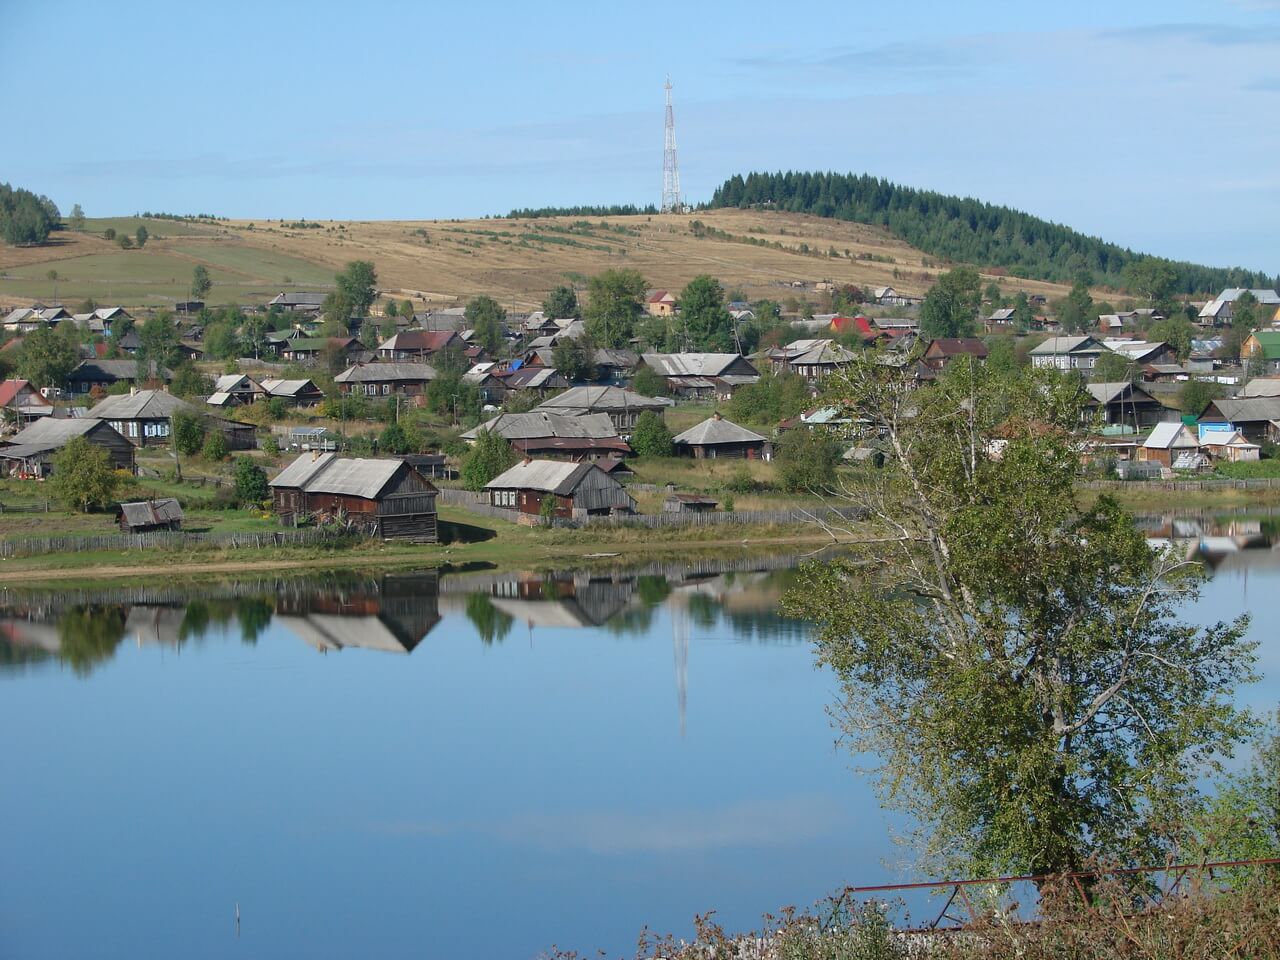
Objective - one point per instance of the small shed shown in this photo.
(148, 515)
(689, 503)
(716, 438)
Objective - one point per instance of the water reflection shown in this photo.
(1231, 542)
(394, 613)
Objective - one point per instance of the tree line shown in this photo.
(26, 218)
(966, 230)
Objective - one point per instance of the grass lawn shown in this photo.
(255, 263)
(156, 229)
(686, 414)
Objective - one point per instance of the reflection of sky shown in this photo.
(465, 800)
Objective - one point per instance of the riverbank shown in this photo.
(478, 539)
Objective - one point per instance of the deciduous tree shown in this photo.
(83, 475)
(359, 281)
(200, 282)
(561, 303)
(704, 317)
(45, 358)
(485, 315)
(613, 306)
(489, 456)
(651, 436)
(951, 305)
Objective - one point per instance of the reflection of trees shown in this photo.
(703, 610)
(195, 621)
(491, 623)
(631, 621)
(652, 589)
(13, 655)
(767, 626)
(254, 615)
(89, 635)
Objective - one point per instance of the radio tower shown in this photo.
(670, 170)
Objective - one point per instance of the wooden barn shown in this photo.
(717, 438)
(384, 498)
(30, 452)
(148, 515)
(579, 489)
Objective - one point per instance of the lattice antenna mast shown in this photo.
(671, 202)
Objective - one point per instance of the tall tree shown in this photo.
(1075, 311)
(486, 315)
(574, 357)
(142, 236)
(561, 303)
(1012, 655)
(336, 311)
(704, 317)
(613, 306)
(651, 436)
(1152, 279)
(82, 475)
(45, 358)
(951, 305)
(77, 217)
(489, 456)
(359, 281)
(200, 282)
(159, 339)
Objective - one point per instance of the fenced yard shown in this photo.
(172, 540)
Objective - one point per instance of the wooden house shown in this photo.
(1252, 416)
(940, 352)
(148, 515)
(815, 360)
(715, 375)
(542, 434)
(624, 407)
(1262, 350)
(539, 381)
(22, 402)
(417, 344)
(383, 498)
(716, 439)
(105, 374)
(1067, 353)
(145, 418)
(30, 452)
(1171, 444)
(295, 393)
(578, 489)
(311, 349)
(1229, 445)
(234, 389)
(1124, 403)
(298, 301)
(386, 379)
(659, 303)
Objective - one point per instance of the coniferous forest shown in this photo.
(965, 230)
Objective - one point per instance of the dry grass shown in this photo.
(519, 261)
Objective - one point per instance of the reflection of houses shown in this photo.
(557, 603)
(394, 617)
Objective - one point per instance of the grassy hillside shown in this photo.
(442, 262)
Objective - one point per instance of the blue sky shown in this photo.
(1151, 124)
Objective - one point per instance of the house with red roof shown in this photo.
(659, 303)
(22, 402)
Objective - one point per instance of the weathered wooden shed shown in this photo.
(148, 515)
(579, 489)
(30, 452)
(689, 503)
(716, 438)
(385, 498)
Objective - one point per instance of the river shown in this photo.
(455, 765)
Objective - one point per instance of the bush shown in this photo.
(489, 456)
(251, 481)
(215, 447)
(270, 446)
(807, 461)
(647, 383)
(83, 476)
(188, 433)
(651, 438)
(547, 509)
(741, 480)
(394, 439)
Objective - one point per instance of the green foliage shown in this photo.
(159, 343)
(188, 381)
(45, 358)
(1022, 312)
(1002, 355)
(77, 221)
(1152, 279)
(572, 356)
(200, 282)
(648, 383)
(492, 625)
(125, 241)
(251, 481)
(951, 305)
(1113, 367)
(141, 236)
(562, 302)
(24, 217)
(807, 461)
(547, 509)
(1177, 332)
(488, 457)
(188, 433)
(486, 315)
(650, 437)
(449, 395)
(1075, 311)
(706, 321)
(740, 481)
(109, 233)
(772, 398)
(88, 636)
(215, 448)
(82, 476)
(270, 446)
(336, 311)
(390, 310)
(964, 230)
(1249, 469)
(613, 306)
(1242, 822)
(1195, 395)
(358, 282)
(406, 308)
(394, 439)
(1012, 656)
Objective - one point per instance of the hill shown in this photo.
(760, 253)
(965, 230)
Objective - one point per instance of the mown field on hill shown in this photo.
(763, 254)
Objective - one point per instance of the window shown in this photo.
(386, 389)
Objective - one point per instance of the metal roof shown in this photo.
(550, 476)
(690, 364)
(1055, 346)
(285, 388)
(150, 512)
(145, 404)
(329, 473)
(603, 398)
(302, 469)
(386, 372)
(53, 431)
(717, 430)
(538, 424)
(1164, 435)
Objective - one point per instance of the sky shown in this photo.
(1151, 124)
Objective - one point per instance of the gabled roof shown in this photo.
(316, 344)
(286, 388)
(10, 389)
(1166, 436)
(386, 372)
(658, 296)
(419, 341)
(143, 405)
(717, 430)
(112, 370)
(1261, 387)
(340, 476)
(1002, 315)
(299, 298)
(1232, 294)
(540, 424)
(1110, 392)
(602, 399)
(691, 364)
(229, 382)
(53, 432)
(1249, 410)
(1269, 341)
(549, 476)
(816, 353)
(957, 346)
(1057, 346)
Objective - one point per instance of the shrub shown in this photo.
(188, 433)
(806, 461)
(82, 475)
(251, 481)
(215, 447)
(741, 480)
(651, 438)
(489, 456)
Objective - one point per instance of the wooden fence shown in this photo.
(1185, 486)
(171, 540)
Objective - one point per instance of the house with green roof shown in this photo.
(1263, 347)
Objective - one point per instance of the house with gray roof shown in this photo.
(147, 515)
(388, 498)
(624, 407)
(106, 374)
(702, 374)
(145, 418)
(1068, 353)
(30, 452)
(1126, 404)
(540, 433)
(717, 438)
(576, 489)
(385, 379)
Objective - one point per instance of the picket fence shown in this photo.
(171, 540)
(1184, 486)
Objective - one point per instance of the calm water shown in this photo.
(411, 766)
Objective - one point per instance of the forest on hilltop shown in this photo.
(965, 230)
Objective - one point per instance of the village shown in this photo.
(526, 417)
